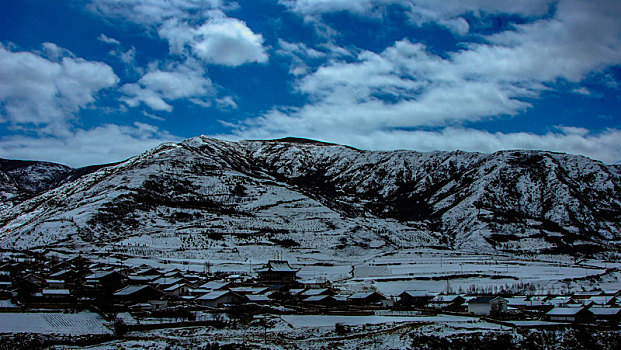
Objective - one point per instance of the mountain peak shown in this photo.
(303, 141)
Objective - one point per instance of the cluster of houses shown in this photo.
(28, 282)
(582, 307)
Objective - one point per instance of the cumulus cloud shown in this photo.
(220, 40)
(82, 147)
(193, 27)
(229, 42)
(38, 90)
(158, 86)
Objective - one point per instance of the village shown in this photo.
(135, 298)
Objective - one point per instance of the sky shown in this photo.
(95, 81)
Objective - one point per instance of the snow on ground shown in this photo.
(391, 273)
(80, 323)
(322, 321)
(306, 332)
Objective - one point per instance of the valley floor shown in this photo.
(389, 273)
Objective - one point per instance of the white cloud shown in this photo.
(229, 42)
(403, 86)
(107, 40)
(300, 54)
(226, 103)
(605, 146)
(220, 40)
(157, 87)
(447, 13)
(298, 49)
(316, 7)
(155, 12)
(196, 27)
(388, 96)
(54, 52)
(128, 56)
(37, 90)
(103, 144)
(582, 91)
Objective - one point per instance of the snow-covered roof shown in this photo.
(55, 292)
(559, 300)
(214, 295)
(249, 290)
(418, 293)
(573, 305)
(99, 274)
(605, 311)
(341, 297)
(564, 298)
(445, 298)
(215, 285)
(167, 281)
(311, 292)
(601, 300)
(517, 301)
(174, 287)
(144, 278)
(257, 298)
(317, 298)
(199, 290)
(277, 266)
(54, 281)
(362, 295)
(564, 311)
(129, 290)
(59, 273)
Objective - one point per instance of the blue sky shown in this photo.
(95, 81)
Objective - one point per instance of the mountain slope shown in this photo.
(20, 180)
(211, 194)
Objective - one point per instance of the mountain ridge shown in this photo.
(338, 197)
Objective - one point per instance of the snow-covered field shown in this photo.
(323, 321)
(74, 324)
(391, 273)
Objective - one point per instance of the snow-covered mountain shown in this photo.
(20, 180)
(299, 193)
